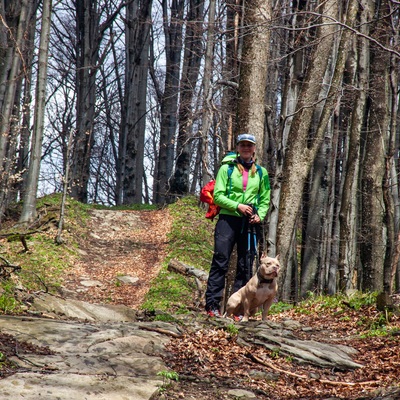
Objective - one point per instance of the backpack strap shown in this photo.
(259, 170)
(230, 170)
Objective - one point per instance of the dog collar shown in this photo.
(263, 280)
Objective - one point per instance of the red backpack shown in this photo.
(207, 196)
(207, 191)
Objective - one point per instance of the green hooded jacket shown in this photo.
(228, 192)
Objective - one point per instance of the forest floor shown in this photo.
(134, 243)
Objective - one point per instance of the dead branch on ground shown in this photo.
(306, 377)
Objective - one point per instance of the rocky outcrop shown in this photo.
(103, 361)
(107, 352)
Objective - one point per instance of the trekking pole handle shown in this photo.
(245, 209)
(254, 217)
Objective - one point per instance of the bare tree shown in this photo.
(90, 32)
(13, 43)
(172, 22)
(230, 73)
(29, 206)
(253, 69)
(207, 113)
(192, 56)
(301, 151)
(348, 249)
(319, 247)
(133, 121)
(291, 76)
(373, 231)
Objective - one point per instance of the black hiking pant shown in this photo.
(230, 230)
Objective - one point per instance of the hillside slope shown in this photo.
(123, 252)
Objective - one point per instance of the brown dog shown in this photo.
(260, 290)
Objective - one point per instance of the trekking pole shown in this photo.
(251, 242)
(255, 247)
(254, 232)
(249, 258)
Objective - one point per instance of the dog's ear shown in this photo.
(277, 257)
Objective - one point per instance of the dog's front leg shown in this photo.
(246, 310)
(266, 307)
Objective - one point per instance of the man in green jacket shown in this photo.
(242, 190)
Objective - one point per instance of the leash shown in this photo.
(252, 254)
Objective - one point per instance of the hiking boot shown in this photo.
(214, 312)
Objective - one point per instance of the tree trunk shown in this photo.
(87, 23)
(373, 231)
(29, 205)
(301, 152)
(230, 71)
(391, 186)
(319, 228)
(294, 67)
(89, 35)
(173, 27)
(253, 70)
(317, 223)
(24, 139)
(348, 259)
(190, 73)
(207, 93)
(133, 126)
(10, 73)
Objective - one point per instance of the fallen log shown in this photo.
(182, 268)
(200, 277)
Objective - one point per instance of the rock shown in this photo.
(291, 324)
(90, 361)
(241, 394)
(304, 351)
(130, 280)
(80, 310)
(109, 352)
(263, 375)
(91, 283)
(82, 252)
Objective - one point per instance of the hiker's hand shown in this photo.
(245, 210)
(254, 219)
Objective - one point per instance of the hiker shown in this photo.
(244, 200)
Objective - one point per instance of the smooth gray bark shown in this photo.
(133, 124)
(172, 21)
(373, 229)
(207, 93)
(192, 57)
(300, 153)
(348, 249)
(29, 205)
(253, 70)
(13, 38)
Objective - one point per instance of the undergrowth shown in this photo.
(41, 263)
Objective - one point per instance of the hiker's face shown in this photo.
(246, 150)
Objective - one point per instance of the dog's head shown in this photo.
(269, 267)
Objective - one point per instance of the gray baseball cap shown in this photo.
(246, 137)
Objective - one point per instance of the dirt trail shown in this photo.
(130, 244)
